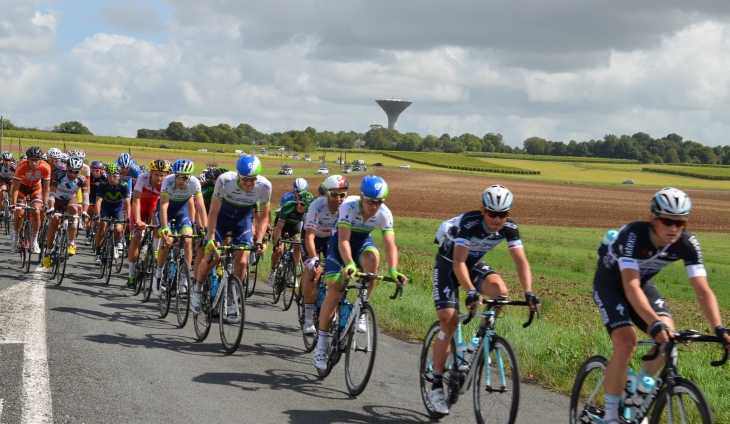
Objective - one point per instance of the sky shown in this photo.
(560, 69)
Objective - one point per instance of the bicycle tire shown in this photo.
(182, 300)
(139, 270)
(120, 259)
(165, 298)
(310, 340)
(107, 258)
(590, 379)
(6, 214)
(62, 258)
(333, 351)
(276, 290)
(28, 248)
(102, 250)
(202, 321)
(683, 389)
(289, 281)
(367, 345)
(499, 350)
(231, 333)
(150, 265)
(253, 273)
(54, 262)
(21, 251)
(451, 378)
(42, 234)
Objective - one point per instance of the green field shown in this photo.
(547, 158)
(457, 161)
(708, 173)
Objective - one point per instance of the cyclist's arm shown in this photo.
(309, 242)
(277, 230)
(46, 191)
(523, 268)
(263, 221)
(14, 192)
(191, 210)
(98, 204)
(128, 204)
(136, 208)
(202, 218)
(707, 300)
(215, 207)
(85, 196)
(632, 289)
(164, 203)
(391, 250)
(461, 271)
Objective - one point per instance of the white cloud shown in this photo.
(25, 30)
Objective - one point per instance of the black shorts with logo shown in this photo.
(615, 309)
(446, 286)
(320, 246)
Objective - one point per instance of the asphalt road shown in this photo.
(86, 352)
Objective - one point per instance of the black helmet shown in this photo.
(34, 152)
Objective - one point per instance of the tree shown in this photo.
(303, 143)
(176, 131)
(72, 127)
(671, 156)
(327, 139)
(7, 125)
(535, 145)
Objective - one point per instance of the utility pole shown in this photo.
(2, 127)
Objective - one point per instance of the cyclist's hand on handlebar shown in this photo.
(164, 231)
(141, 225)
(473, 299)
(50, 211)
(260, 247)
(85, 216)
(312, 263)
(397, 276)
(349, 269)
(724, 333)
(210, 245)
(533, 300)
(659, 332)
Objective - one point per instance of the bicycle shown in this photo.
(286, 274)
(42, 237)
(500, 385)
(175, 268)
(91, 229)
(310, 340)
(231, 308)
(675, 398)
(7, 220)
(145, 265)
(108, 246)
(25, 245)
(59, 252)
(345, 337)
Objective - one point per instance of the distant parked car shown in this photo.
(307, 158)
(202, 150)
(296, 157)
(286, 170)
(405, 167)
(165, 146)
(628, 182)
(323, 170)
(220, 151)
(377, 164)
(347, 170)
(356, 168)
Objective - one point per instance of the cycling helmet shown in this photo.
(374, 186)
(78, 152)
(300, 184)
(34, 152)
(307, 197)
(248, 166)
(336, 182)
(183, 166)
(23, 157)
(143, 169)
(125, 160)
(160, 165)
(497, 198)
(321, 189)
(214, 173)
(54, 153)
(112, 168)
(169, 166)
(44, 157)
(7, 155)
(97, 164)
(671, 201)
(64, 158)
(75, 162)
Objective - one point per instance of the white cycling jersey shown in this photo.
(237, 202)
(320, 218)
(179, 197)
(350, 215)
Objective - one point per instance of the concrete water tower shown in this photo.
(393, 108)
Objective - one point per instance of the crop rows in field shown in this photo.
(706, 173)
(550, 158)
(456, 161)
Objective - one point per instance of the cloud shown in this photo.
(131, 15)
(25, 30)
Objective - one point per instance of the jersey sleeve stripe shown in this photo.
(696, 271)
(628, 263)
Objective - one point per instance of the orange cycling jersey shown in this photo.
(32, 177)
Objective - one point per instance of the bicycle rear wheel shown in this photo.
(289, 283)
(148, 276)
(42, 234)
(231, 313)
(451, 377)
(139, 272)
(166, 287)
(497, 384)
(685, 404)
(120, 260)
(182, 300)
(278, 284)
(361, 349)
(202, 321)
(62, 258)
(107, 259)
(253, 273)
(588, 398)
(28, 248)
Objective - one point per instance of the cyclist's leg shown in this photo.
(333, 278)
(52, 228)
(367, 258)
(298, 247)
(242, 236)
(73, 209)
(310, 277)
(19, 205)
(445, 293)
(162, 251)
(35, 216)
(660, 307)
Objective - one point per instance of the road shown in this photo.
(85, 352)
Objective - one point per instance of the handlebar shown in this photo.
(371, 276)
(219, 251)
(686, 336)
(500, 301)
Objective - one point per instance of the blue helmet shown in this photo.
(300, 184)
(125, 160)
(183, 166)
(374, 186)
(248, 166)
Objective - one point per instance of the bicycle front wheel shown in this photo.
(107, 260)
(232, 313)
(62, 258)
(120, 260)
(28, 248)
(587, 399)
(333, 351)
(451, 378)
(278, 285)
(201, 322)
(163, 302)
(182, 300)
(253, 273)
(289, 283)
(147, 276)
(42, 234)
(362, 344)
(497, 384)
(684, 403)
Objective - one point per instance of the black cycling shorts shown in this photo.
(293, 230)
(446, 286)
(615, 309)
(320, 246)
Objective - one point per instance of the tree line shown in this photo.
(70, 127)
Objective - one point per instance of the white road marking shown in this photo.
(23, 320)
(1, 410)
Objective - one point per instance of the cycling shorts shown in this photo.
(182, 221)
(333, 263)
(446, 285)
(6, 182)
(293, 230)
(34, 193)
(616, 311)
(241, 231)
(320, 246)
(146, 211)
(61, 205)
(112, 210)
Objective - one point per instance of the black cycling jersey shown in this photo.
(471, 231)
(634, 249)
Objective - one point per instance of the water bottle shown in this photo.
(630, 388)
(461, 356)
(219, 269)
(345, 313)
(642, 390)
(321, 294)
(214, 283)
(471, 350)
(171, 270)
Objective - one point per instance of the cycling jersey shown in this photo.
(64, 188)
(113, 195)
(60, 166)
(287, 197)
(207, 189)
(32, 177)
(320, 219)
(178, 198)
(237, 203)
(470, 230)
(148, 194)
(6, 174)
(634, 249)
(94, 185)
(290, 215)
(132, 174)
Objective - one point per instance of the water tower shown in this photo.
(393, 108)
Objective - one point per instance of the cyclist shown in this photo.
(128, 169)
(350, 247)
(289, 221)
(7, 172)
(64, 186)
(231, 209)
(211, 175)
(144, 202)
(175, 193)
(31, 183)
(299, 185)
(97, 176)
(624, 290)
(54, 159)
(319, 224)
(112, 197)
(464, 240)
(86, 173)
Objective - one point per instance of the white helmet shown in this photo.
(671, 201)
(336, 182)
(497, 198)
(54, 153)
(300, 184)
(75, 162)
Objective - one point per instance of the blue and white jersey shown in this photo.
(350, 216)
(64, 188)
(7, 173)
(132, 174)
(320, 219)
(236, 202)
(470, 230)
(178, 197)
(287, 197)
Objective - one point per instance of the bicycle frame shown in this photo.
(227, 259)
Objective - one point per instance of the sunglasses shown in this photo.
(182, 177)
(113, 175)
(668, 222)
(73, 171)
(338, 195)
(500, 215)
(372, 201)
(249, 179)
